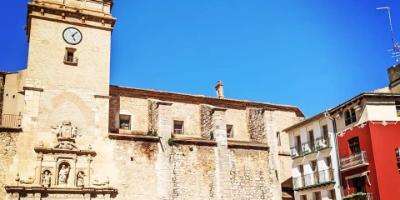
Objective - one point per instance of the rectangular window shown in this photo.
(70, 58)
(298, 145)
(350, 116)
(354, 145)
(178, 127)
(325, 132)
(311, 140)
(332, 194)
(314, 166)
(229, 131)
(278, 137)
(328, 162)
(398, 108)
(359, 184)
(125, 122)
(317, 196)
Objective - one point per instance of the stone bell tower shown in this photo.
(64, 90)
(68, 63)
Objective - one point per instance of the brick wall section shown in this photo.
(7, 152)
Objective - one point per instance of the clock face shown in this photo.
(72, 36)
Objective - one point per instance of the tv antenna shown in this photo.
(396, 46)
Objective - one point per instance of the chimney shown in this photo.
(219, 88)
(394, 78)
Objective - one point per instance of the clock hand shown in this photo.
(73, 36)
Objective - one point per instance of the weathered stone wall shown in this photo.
(256, 125)
(194, 172)
(206, 121)
(153, 117)
(8, 150)
(114, 113)
(250, 178)
(2, 79)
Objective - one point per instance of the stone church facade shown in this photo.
(66, 133)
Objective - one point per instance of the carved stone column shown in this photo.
(38, 170)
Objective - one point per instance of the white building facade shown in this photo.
(315, 164)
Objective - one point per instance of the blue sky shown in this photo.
(313, 54)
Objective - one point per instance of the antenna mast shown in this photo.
(396, 46)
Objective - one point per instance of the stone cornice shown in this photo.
(133, 137)
(64, 151)
(237, 144)
(186, 98)
(10, 130)
(70, 16)
(38, 189)
(33, 89)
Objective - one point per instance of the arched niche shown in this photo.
(64, 173)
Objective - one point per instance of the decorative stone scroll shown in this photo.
(256, 125)
(62, 170)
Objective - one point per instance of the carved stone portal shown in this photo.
(62, 170)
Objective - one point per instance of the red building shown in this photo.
(368, 139)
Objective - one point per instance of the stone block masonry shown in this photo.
(8, 148)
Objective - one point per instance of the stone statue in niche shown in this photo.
(63, 174)
(80, 179)
(66, 130)
(46, 179)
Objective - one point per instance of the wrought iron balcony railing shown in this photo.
(359, 196)
(310, 147)
(313, 180)
(354, 161)
(10, 121)
(321, 143)
(295, 151)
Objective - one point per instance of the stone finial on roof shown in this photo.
(220, 89)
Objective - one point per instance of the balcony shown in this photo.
(308, 147)
(359, 196)
(314, 180)
(318, 144)
(295, 152)
(354, 161)
(10, 121)
(322, 143)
